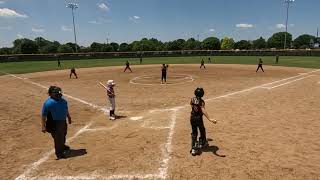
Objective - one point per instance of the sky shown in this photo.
(166, 20)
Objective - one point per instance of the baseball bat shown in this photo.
(102, 85)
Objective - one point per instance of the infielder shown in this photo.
(260, 65)
(202, 64)
(127, 67)
(164, 69)
(196, 121)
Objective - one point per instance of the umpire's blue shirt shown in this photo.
(57, 108)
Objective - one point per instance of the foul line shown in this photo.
(163, 170)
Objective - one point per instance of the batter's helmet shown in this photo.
(199, 92)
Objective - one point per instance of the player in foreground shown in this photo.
(111, 96)
(196, 120)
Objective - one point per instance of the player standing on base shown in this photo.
(196, 120)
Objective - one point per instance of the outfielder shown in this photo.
(196, 120)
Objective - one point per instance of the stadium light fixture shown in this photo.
(288, 2)
(73, 6)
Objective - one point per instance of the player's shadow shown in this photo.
(75, 152)
(120, 117)
(212, 148)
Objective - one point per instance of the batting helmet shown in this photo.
(199, 92)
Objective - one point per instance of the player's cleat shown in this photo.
(203, 144)
(112, 118)
(193, 152)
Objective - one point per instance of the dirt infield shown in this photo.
(268, 124)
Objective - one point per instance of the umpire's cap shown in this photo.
(199, 92)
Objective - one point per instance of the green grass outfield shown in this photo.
(36, 66)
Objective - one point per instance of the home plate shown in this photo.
(136, 118)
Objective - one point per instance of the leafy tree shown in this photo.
(107, 48)
(65, 48)
(96, 47)
(259, 43)
(243, 44)
(178, 44)
(277, 40)
(211, 43)
(227, 43)
(28, 46)
(49, 48)
(73, 46)
(191, 44)
(115, 46)
(5, 50)
(124, 47)
(303, 41)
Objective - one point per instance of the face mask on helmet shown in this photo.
(55, 92)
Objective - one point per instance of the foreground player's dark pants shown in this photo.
(59, 136)
(197, 122)
(164, 77)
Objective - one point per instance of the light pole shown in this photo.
(73, 6)
(285, 35)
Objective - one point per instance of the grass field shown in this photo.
(37, 66)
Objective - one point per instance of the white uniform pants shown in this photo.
(112, 103)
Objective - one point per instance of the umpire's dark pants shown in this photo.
(59, 136)
(197, 122)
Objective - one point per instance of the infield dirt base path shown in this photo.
(263, 132)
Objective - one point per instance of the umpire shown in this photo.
(54, 114)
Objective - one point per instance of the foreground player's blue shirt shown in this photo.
(57, 108)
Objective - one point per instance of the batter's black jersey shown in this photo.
(196, 105)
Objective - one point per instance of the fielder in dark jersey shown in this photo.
(127, 67)
(73, 71)
(202, 64)
(164, 69)
(260, 65)
(196, 121)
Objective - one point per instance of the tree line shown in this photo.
(42, 46)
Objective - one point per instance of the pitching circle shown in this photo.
(153, 79)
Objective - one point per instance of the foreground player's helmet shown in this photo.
(199, 92)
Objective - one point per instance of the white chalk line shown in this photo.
(132, 81)
(35, 165)
(287, 82)
(163, 170)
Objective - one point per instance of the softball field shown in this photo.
(268, 124)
